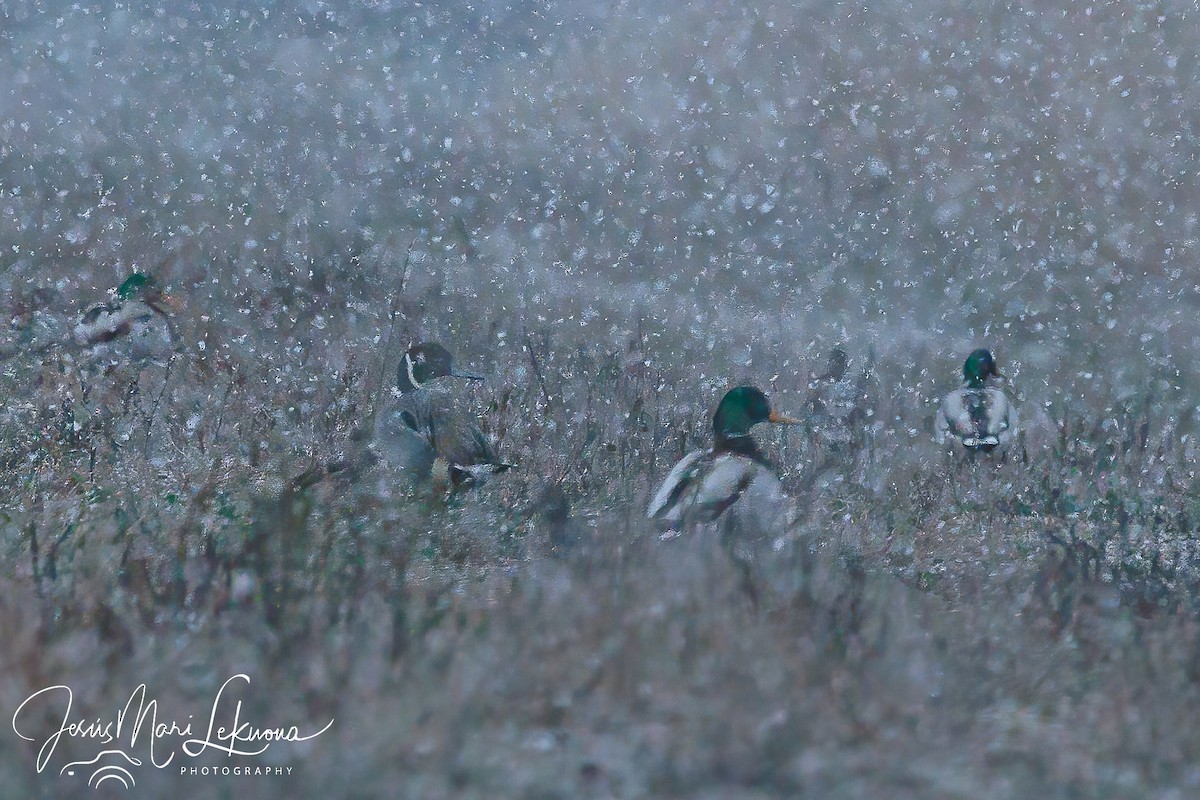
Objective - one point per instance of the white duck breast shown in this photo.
(703, 485)
(977, 417)
(763, 507)
(726, 480)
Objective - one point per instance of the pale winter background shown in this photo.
(616, 211)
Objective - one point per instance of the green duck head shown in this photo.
(135, 285)
(424, 362)
(143, 287)
(978, 367)
(741, 409)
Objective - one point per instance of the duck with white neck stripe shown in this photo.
(428, 429)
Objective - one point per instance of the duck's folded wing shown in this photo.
(953, 419)
(1002, 415)
(976, 416)
(460, 441)
(679, 480)
(724, 482)
(454, 429)
(104, 323)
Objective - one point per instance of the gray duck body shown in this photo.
(431, 422)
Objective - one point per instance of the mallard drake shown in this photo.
(140, 314)
(705, 483)
(977, 416)
(428, 426)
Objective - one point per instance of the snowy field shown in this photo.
(615, 212)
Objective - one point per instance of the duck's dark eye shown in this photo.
(408, 419)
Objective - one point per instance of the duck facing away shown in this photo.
(706, 483)
(140, 315)
(838, 403)
(977, 416)
(429, 428)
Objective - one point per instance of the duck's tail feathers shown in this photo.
(467, 474)
(985, 443)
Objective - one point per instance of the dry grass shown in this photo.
(932, 628)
